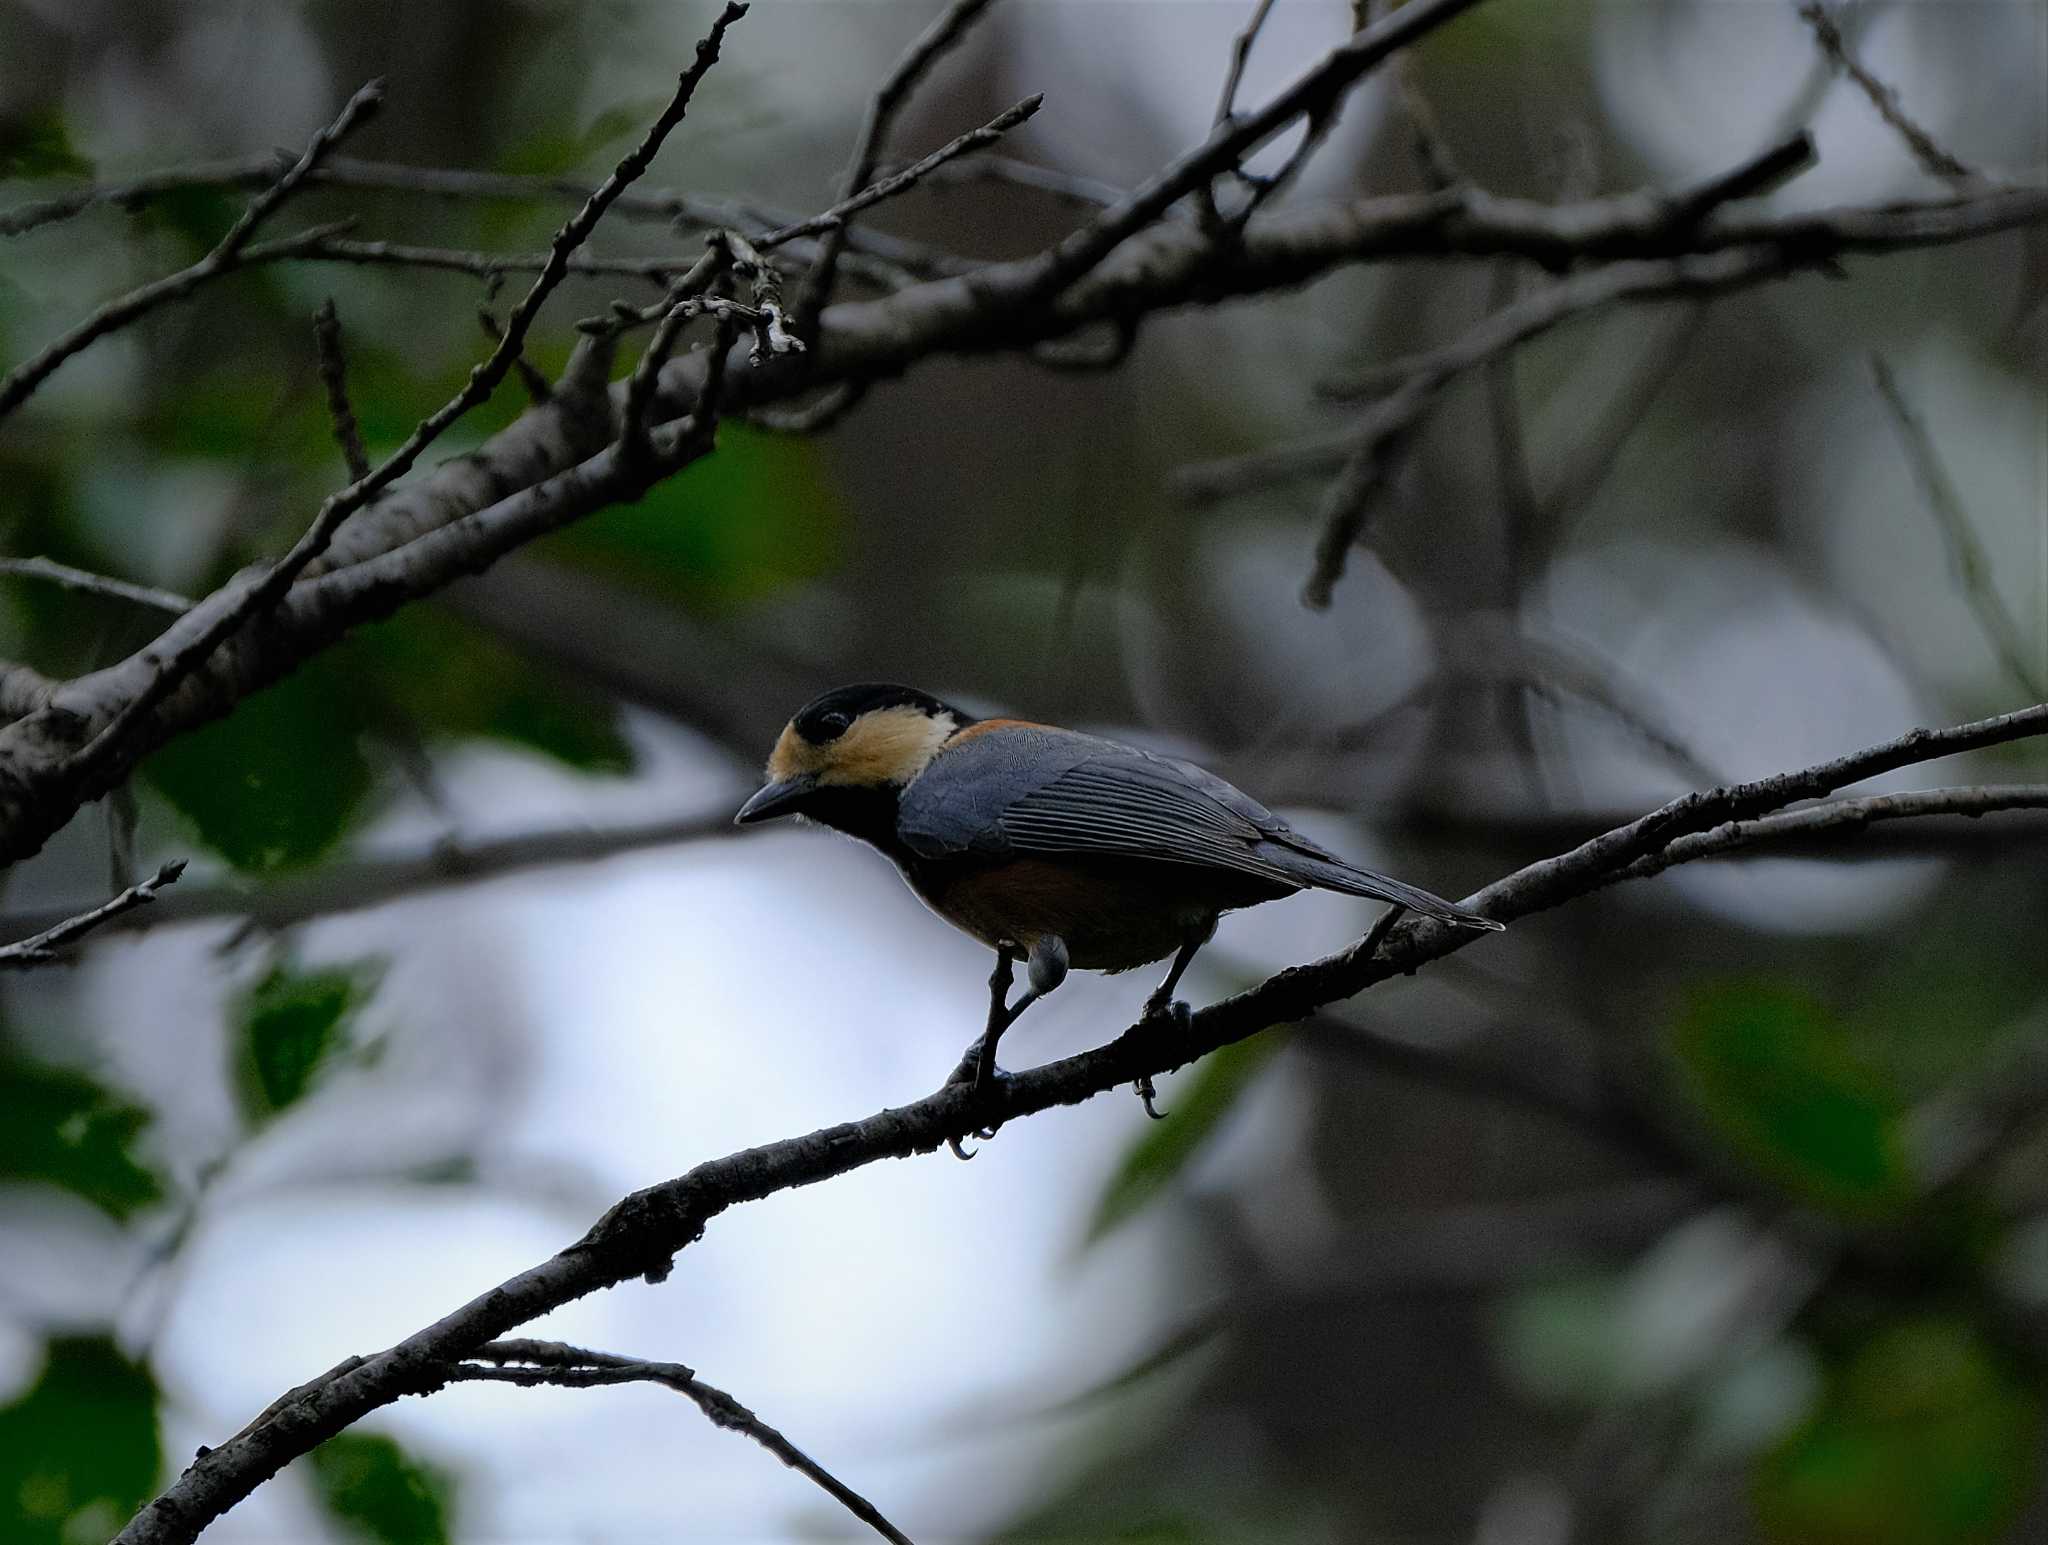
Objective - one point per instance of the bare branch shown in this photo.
(1839, 816)
(334, 377)
(945, 31)
(1934, 160)
(88, 583)
(835, 218)
(183, 647)
(531, 1363)
(1384, 434)
(1967, 559)
(230, 252)
(44, 948)
(641, 1235)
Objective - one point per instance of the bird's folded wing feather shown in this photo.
(1057, 793)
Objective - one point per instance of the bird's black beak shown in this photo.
(778, 799)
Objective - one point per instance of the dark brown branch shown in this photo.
(641, 1236)
(533, 1363)
(45, 948)
(334, 379)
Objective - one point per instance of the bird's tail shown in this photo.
(1353, 881)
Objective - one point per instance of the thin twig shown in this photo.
(88, 583)
(946, 30)
(539, 391)
(334, 377)
(180, 652)
(1387, 428)
(529, 1363)
(1933, 159)
(684, 301)
(1836, 817)
(1967, 559)
(44, 948)
(228, 254)
(835, 218)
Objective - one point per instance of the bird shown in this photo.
(1060, 849)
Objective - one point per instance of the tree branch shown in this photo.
(43, 949)
(232, 251)
(531, 1363)
(641, 1235)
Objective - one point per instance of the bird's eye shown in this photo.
(831, 726)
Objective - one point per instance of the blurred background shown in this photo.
(1648, 1221)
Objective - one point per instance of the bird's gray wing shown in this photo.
(1056, 793)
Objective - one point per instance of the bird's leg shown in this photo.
(1164, 1007)
(1045, 969)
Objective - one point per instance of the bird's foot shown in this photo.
(987, 1081)
(1167, 1013)
(1165, 1016)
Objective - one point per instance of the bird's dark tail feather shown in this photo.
(1363, 882)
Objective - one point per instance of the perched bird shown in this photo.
(1050, 846)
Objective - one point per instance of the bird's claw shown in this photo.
(969, 1072)
(1146, 1093)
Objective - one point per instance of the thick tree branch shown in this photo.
(641, 1235)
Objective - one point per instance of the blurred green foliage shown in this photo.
(380, 1493)
(275, 784)
(61, 1127)
(1783, 1082)
(79, 1451)
(36, 144)
(1164, 1149)
(290, 1026)
(756, 517)
(1926, 1436)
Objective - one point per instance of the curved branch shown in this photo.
(643, 1233)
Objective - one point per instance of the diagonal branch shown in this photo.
(925, 51)
(530, 1363)
(43, 948)
(641, 1235)
(1934, 160)
(195, 636)
(1383, 436)
(1966, 556)
(231, 252)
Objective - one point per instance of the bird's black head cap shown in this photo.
(826, 718)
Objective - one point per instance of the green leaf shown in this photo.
(79, 1452)
(36, 145)
(1163, 1150)
(275, 784)
(443, 676)
(378, 1492)
(1925, 1437)
(289, 1027)
(1779, 1077)
(755, 518)
(61, 1127)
